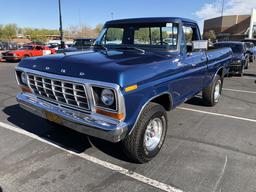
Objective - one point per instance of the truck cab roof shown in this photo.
(150, 20)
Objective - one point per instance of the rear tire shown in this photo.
(147, 138)
(212, 93)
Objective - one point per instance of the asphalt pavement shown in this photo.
(207, 149)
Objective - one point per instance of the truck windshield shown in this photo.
(236, 48)
(144, 36)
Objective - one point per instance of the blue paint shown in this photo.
(177, 73)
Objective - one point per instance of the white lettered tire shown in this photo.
(147, 138)
(212, 93)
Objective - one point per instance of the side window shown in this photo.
(190, 35)
(170, 35)
(114, 36)
(188, 32)
(38, 48)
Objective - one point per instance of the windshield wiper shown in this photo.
(135, 48)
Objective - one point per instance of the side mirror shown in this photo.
(200, 45)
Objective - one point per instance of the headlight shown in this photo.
(107, 97)
(23, 78)
(237, 62)
(104, 98)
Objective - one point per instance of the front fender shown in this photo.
(135, 102)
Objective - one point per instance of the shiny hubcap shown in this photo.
(217, 91)
(153, 134)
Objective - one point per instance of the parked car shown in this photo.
(30, 50)
(80, 44)
(6, 45)
(122, 92)
(240, 56)
(1, 59)
(53, 46)
(251, 50)
(250, 41)
(2, 47)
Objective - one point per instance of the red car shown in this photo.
(31, 50)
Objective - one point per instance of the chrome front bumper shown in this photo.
(88, 123)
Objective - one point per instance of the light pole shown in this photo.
(222, 10)
(61, 30)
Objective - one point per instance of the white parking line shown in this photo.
(218, 114)
(221, 175)
(245, 78)
(113, 167)
(237, 90)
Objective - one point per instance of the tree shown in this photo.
(98, 28)
(9, 31)
(211, 35)
(39, 34)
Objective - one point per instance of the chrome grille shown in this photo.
(67, 93)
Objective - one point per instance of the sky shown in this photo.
(44, 13)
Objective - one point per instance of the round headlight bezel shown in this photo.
(107, 97)
(24, 78)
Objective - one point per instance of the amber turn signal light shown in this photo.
(25, 89)
(131, 88)
(118, 116)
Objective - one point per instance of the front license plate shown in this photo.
(53, 118)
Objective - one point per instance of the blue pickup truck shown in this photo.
(122, 89)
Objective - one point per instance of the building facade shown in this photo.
(233, 27)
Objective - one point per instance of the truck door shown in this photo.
(194, 63)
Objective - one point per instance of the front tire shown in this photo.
(212, 93)
(246, 66)
(241, 74)
(147, 138)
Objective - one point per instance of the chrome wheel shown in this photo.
(217, 91)
(153, 134)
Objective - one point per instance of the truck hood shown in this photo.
(120, 67)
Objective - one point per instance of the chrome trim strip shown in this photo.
(222, 68)
(104, 108)
(91, 124)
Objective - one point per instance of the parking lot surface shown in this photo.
(206, 149)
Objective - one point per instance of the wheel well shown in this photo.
(164, 100)
(221, 73)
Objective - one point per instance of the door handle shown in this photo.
(194, 65)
